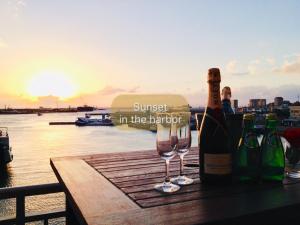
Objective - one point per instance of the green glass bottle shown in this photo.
(248, 152)
(272, 157)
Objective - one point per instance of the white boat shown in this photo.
(6, 155)
(90, 119)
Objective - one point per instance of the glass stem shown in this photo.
(181, 164)
(167, 179)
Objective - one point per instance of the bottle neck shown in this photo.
(271, 124)
(214, 97)
(248, 125)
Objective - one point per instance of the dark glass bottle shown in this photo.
(248, 152)
(215, 153)
(272, 156)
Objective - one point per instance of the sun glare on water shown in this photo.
(51, 83)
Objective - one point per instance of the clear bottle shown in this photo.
(248, 152)
(272, 155)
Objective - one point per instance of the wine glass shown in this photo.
(166, 144)
(184, 143)
(292, 152)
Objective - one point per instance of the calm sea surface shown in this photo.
(34, 142)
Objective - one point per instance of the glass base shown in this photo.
(167, 187)
(182, 180)
(293, 174)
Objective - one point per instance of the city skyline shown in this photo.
(79, 53)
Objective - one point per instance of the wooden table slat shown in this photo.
(174, 164)
(124, 163)
(150, 176)
(153, 181)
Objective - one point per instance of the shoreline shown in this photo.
(42, 111)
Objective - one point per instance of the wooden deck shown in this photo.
(117, 188)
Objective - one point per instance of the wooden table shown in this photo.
(117, 188)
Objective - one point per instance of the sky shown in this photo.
(66, 52)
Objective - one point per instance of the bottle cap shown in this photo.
(248, 116)
(214, 75)
(271, 116)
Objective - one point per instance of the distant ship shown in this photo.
(85, 108)
(6, 155)
(90, 119)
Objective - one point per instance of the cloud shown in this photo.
(17, 6)
(233, 69)
(231, 66)
(260, 65)
(240, 73)
(102, 98)
(270, 61)
(253, 66)
(292, 55)
(134, 89)
(290, 66)
(109, 90)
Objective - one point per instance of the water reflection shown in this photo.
(6, 180)
(6, 174)
(34, 142)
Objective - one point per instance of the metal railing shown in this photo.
(19, 193)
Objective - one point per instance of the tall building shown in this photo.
(286, 103)
(278, 101)
(235, 103)
(257, 103)
(270, 106)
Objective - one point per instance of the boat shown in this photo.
(6, 155)
(39, 114)
(91, 120)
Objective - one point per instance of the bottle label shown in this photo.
(214, 98)
(218, 164)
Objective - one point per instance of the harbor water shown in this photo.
(34, 142)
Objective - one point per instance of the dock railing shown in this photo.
(20, 193)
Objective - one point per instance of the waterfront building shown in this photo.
(257, 103)
(270, 107)
(278, 101)
(286, 104)
(235, 103)
(295, 112)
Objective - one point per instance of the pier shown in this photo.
(61, 123)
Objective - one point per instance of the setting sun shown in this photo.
(51, 83)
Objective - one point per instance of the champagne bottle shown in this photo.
(215, 153)
(248, 153)
(273, 161)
